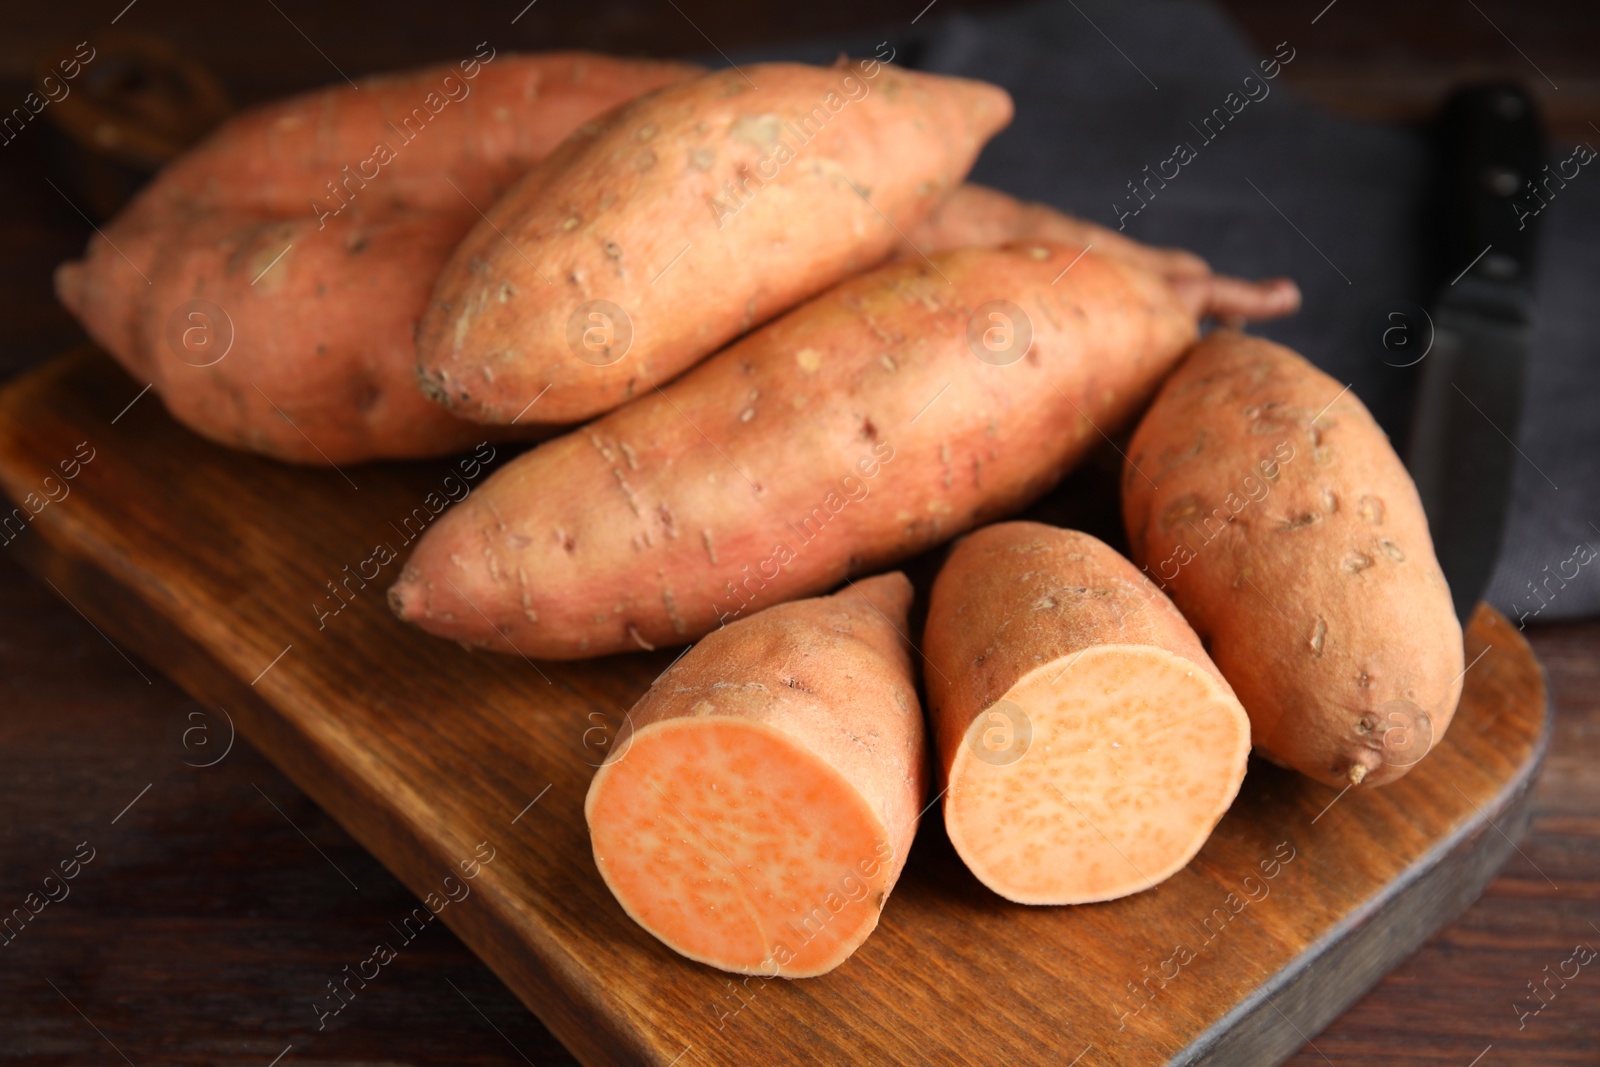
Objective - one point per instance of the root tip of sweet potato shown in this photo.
(432, 387)
(1282, 297)
(1234, 301)
(69, 282)
(400, 602)
(1358, 772)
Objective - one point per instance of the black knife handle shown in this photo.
(1496, 184)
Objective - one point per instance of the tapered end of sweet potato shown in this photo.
(440, 595)
(403, 597)
(437, 603)
(1097, 775)
(1234, 300)
(104, 305)
(989, 108)
(104, 294)
(70, 277)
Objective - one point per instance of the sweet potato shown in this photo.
(653, 237)
(759, 805)
(1086, 742)
(893, 412)
(1263, 497)
(269, 282)
(976, 215)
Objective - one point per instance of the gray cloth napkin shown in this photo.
(1105, 89)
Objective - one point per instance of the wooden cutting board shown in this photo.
(216, 568)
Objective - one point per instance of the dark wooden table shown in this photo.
(214, 907)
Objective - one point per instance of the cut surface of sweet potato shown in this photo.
(758, 808)
(1133, 755)
(729, 840)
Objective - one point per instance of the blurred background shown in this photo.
(207, 913)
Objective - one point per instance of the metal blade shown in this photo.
(1469, 410)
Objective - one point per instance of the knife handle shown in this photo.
(1494, 183)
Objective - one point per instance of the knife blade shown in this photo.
(1468, 407)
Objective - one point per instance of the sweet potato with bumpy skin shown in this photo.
(684, 219)
(494, 118)
(976, 215)
(314, 253)
(1264, 498)
(859, 429)
(759, 806)
(1086, 742)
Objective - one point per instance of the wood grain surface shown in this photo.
(464, 773)
(194, 936)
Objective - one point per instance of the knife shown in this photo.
(1468, 405)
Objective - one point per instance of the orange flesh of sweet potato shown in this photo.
(857, 430)
(1087, 742)
(1284, 526)
(321, 311)
(699, 211)
(761, 804)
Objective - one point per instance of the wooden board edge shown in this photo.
(1267, 1027)
(1350, 958)
(594, 1038)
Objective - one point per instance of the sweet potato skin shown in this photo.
(320, 347)
(835, 675)
(699, 211)
(497, 116)
(975, 215)
(857, 430)
(1262, 496)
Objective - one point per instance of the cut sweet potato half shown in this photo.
(758, 809)
(1088, 744)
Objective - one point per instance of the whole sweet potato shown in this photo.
(680, 221)
(1266, 501)
(269, 282)
(898, 409)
